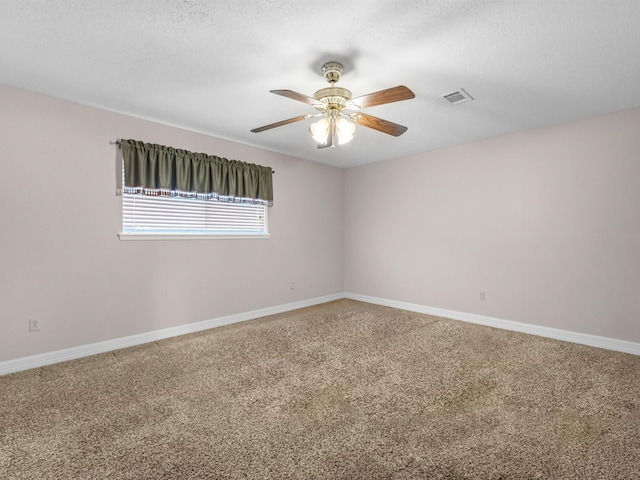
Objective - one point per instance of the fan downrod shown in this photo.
(332, 97)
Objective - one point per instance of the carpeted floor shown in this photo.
(344, 390)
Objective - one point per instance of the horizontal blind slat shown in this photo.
(180, 215)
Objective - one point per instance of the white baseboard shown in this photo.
(567, 336)
(50, 358)
(35, 361)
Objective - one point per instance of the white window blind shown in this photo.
(160, 215)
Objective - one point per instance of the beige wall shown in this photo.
(62, 262)
(546, 222)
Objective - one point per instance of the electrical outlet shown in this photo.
(483, 296)
(34, 325)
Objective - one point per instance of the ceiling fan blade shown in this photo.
(279, 124)
(394, 94)
(379, 124)
(297, 96)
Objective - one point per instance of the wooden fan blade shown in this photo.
(297, 96)
(381, 125)
(394, 94)
(279, 124)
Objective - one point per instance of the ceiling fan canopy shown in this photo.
(336, 125)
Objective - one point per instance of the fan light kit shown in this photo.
(335, 125)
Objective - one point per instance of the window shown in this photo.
(158, 216)
(170, 193)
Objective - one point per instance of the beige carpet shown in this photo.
(345, 390)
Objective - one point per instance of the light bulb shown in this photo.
(320, 130)
(345, 130)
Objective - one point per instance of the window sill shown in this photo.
(163, 236)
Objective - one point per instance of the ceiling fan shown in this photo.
(336, 124)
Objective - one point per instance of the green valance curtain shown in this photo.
(152, 169)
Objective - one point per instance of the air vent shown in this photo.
(460, 96)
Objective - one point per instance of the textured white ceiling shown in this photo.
(208, 65)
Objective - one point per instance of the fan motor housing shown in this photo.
(336, 96)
